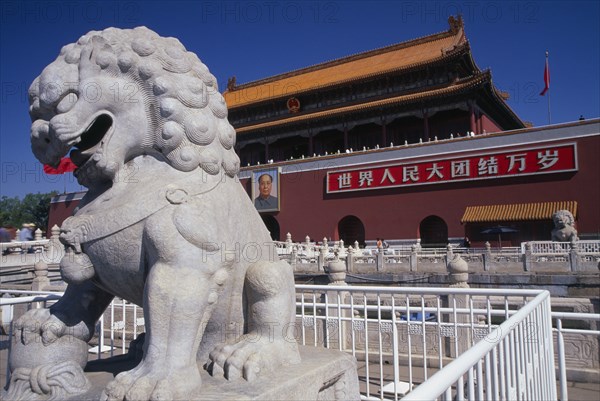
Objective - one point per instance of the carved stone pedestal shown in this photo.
(323, 375)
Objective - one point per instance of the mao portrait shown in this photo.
(265, 190)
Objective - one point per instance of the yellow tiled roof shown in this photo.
(447, 90)
(396, 57)
(516, 212)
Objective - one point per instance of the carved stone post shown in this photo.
(458, 270)
(336, 270)
(574, 255)
(413, 258)
(458, 277)
(40, 276)
(55, 249)
(288, 241)
(449, 253)
(321, 258)
(487, 256)
(527, 257)
(350, 259)
(37, 235)
(335, 329)
(379, 260)
(293, 256)
(356, 245)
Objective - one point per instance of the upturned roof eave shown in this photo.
(460, 51)
(347, 59)
(454, 89)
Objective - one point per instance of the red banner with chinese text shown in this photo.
(532, 161)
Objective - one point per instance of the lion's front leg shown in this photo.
(270, 341)
(178, 299)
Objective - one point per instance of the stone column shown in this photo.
(293, 256)
(350, 260)
(458, 271)
(458, 277)
(449, 253)
(487, 256)
(335, 330)
(40, 276)
(56, 249)
(527, 258)
(414, 257)
(336, 270)
(288, 241)
(574, 255)
(321, 258)
(37, 236)
(379, 260)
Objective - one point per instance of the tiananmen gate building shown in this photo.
(408, 141)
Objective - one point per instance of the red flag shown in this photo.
(65, 166)
(546, 78)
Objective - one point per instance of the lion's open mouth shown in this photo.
(91, 139)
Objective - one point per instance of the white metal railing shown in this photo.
(514, 361)
(484, 343)
(561, 331)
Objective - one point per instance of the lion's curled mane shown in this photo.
(188, 115)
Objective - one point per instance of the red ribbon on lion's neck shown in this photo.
(65, 166)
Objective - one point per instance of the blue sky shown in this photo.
(256, 39)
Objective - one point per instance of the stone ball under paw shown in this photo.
(36, 353)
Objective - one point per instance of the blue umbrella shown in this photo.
(499, 230)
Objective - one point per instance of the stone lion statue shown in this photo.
(165, 224)
(564, 230)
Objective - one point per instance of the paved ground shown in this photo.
(576, 391)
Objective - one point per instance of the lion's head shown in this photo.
(564, 229)
(118, 94)
(562, 219)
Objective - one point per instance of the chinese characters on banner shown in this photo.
(532, 161)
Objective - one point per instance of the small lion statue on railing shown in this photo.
(564, 230)
(165, 224)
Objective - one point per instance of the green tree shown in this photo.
(34, 208)
(10, 212)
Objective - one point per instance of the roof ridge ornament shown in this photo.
(231, 84)
(456, 23)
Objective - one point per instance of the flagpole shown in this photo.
(548, 69)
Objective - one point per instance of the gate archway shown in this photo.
(272, 225)
(434, 232)
(351, 229)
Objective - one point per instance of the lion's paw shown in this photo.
(154, 383)
(249, 357)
